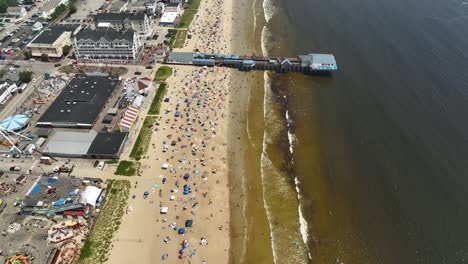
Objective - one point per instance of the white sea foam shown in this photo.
(291, 136)
(264, 160)
(264, 41)
(269, 10)
(303, 225)
(254, 15)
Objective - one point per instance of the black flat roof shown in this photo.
(106, 143)
(48, 36)
(80, 102)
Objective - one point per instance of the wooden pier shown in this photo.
(311, 63)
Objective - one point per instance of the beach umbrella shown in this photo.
(181, 251)
(146, 193)
(197, 171)
(181, 231)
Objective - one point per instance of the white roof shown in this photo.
(104, 24)
(138, 101)
(90, 195)
(168, 17)
(70, 142)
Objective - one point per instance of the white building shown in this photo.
(173, 7)
(118, 6)
(107, 44)
(139, 22)
(49, 7)
(17, 11)
(168, 18)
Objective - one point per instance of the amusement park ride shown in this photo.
(11, 138)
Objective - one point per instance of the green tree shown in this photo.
(25, 76)
(58, 11)
(3, 7)
(44, 57)
(72, 7)
(65, 50)
(2, 73)
(27, 54)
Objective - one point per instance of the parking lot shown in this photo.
(18, 38)
(85, 9)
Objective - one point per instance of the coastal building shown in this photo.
(153, 7)
(85, 144)
(17, 11)
(139, 22)
(50, 42)
(79, 103)
(168, 18)
(173, 7)
(107, 44)
(118, 6)
(137, 6)
(49, 7)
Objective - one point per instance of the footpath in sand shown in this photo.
(191, 140)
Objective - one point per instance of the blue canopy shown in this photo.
(146, 193)
(14, 123)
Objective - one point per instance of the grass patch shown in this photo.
(163, 73)
(156, 104)
(190, 10)
(180, 38)
(96, 248)
(187, 18)
(112, 161)
(86, 250)
(127, 168)
(173, 37)
(144, 137)
(193, 4)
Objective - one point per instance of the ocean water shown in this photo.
(370, 165)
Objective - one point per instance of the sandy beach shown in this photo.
(191, 141)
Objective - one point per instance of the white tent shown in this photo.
(90, 195)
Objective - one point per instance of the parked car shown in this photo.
(15, 168)
(6, 155)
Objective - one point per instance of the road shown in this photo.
(39, 68)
